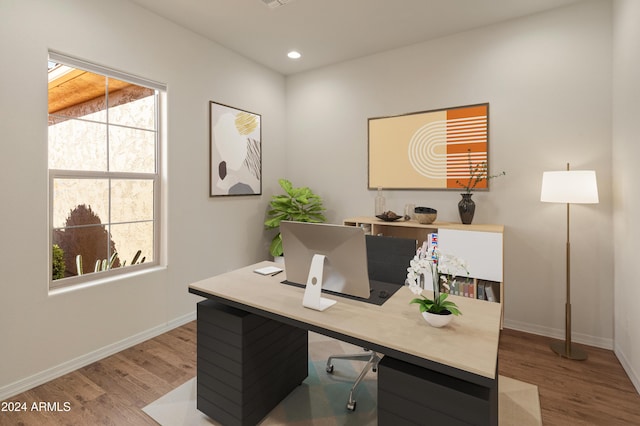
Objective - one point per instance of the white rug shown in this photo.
(321, 399)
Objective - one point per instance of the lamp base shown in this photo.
(574, 352)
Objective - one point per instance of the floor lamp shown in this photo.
(570, 187)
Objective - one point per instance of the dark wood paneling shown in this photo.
(407, 392)
(246, 363)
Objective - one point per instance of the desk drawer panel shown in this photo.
(224, 316)
(246, 363)
(249, 357)
(243, 382)
(404, 388)
(242, 403)
(237, 336)
(394, 410)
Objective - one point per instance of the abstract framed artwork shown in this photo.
(430, 149)
(235, 151)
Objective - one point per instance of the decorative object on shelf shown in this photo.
(466, 208)
(391, 216)
(425, 150)
(380, 202)
(442, 268)
(425, 215)
(235, 151)
(570, 186)
(410, 210)
(297, 204)
(478, 176)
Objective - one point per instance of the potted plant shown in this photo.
(296, 204)
(443, 269)
(478, 172)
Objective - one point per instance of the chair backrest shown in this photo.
(388, 258)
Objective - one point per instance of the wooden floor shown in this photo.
(114, 390)
(592, 392)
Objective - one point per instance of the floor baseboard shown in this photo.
(635, 378)
(555, 333)
(66, 367)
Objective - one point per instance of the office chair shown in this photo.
(387, 261)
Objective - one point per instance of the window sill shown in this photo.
(105, 280)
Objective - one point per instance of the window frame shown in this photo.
(156, 178)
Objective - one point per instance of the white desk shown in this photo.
(463, 354)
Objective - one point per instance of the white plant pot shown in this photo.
(278, 259)
(437, 320)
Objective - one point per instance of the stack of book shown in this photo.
(475, 289)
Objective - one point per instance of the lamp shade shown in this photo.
(570, 186)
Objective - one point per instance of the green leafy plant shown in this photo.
(296, 204)
(478, 172)
(58, 265)
(438, 305)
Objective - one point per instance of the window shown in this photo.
(104, 178)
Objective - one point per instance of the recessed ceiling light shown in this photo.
(294, 55)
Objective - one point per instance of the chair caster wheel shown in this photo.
(351, 406)
(329, 368)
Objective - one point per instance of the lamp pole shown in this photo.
(566, 349)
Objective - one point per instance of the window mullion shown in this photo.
(78, 146)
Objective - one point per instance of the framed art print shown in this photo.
(235, 151)
(428, 150)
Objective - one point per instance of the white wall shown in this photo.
(547, 78)
(626, 175)
(43, 335)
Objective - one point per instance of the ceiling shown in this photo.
(331, 31)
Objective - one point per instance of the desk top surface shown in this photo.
(468, 343)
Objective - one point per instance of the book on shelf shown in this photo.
(460, 287)
(491, 290)
(488, 290)
(481, 293)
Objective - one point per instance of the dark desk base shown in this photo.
(246, 363)
(411, 395)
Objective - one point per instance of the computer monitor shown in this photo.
(324, 256)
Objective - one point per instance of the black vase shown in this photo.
(466, 208)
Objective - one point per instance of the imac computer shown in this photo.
(329, 257)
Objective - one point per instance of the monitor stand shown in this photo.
(312, 294)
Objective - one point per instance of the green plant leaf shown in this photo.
(298, 204)
(274, 222)
(286, 185)
(276, 246)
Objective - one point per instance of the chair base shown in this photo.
(372, 359)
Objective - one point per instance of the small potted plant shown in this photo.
(478, 172)
(296, 204)
(443, 269)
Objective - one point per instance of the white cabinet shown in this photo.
(481, 250)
